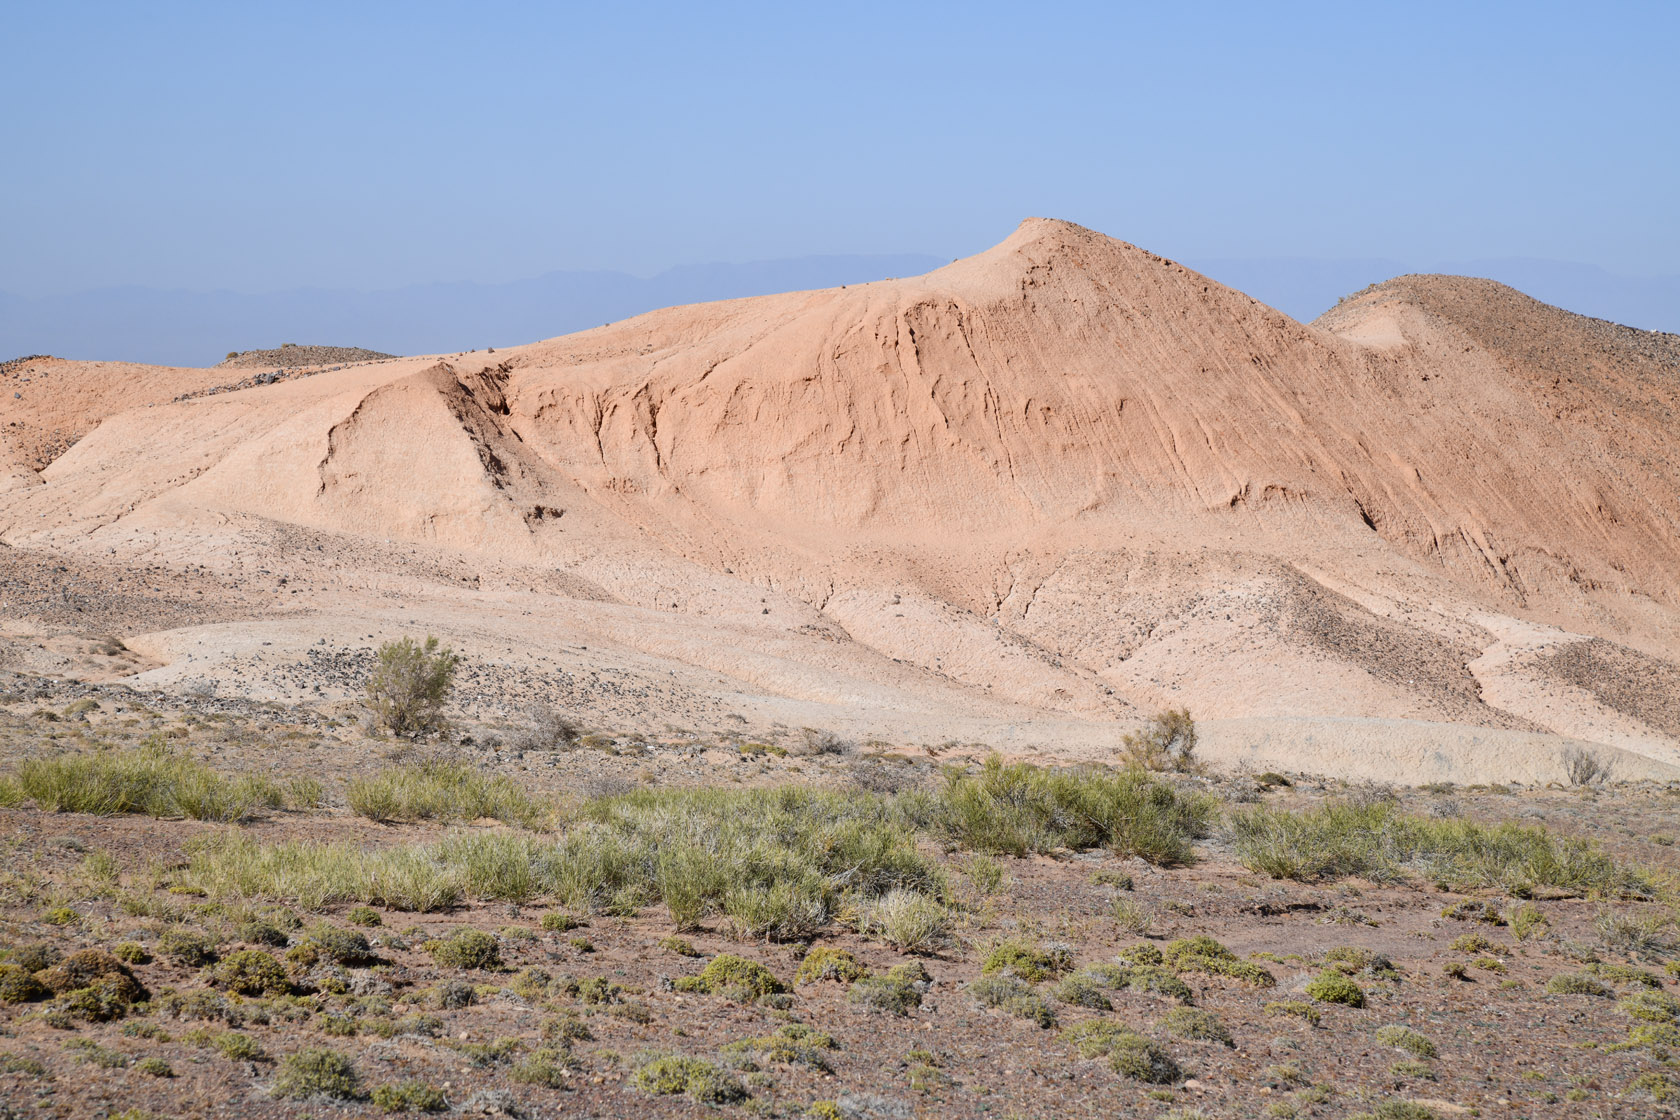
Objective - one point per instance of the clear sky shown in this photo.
(265, 146)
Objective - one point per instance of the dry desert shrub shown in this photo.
(408, 687)
(1585, 767)
(1167, 742)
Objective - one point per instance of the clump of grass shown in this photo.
(317, 1072)
(1014, 996)
(1021, 809)
(1204, 954)
(363, 916)
(1194, 1023)
(1405, 1038)
(736, 977)
(1653, 1007)
(1132, 916)
(1638, 935)
(558, 921)
(1129, 1054)
(443, 791)
(827, 963)
(17, 985)
(700, 1080)
(1374, 840)
(151, 779)
(1330, 986)
(909, 921)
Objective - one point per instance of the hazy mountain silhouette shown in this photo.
(186, 328)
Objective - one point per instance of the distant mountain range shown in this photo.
(185, 328)
(178, 327)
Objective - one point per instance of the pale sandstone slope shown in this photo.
(1064, 480)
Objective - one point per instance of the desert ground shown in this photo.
(786, 769)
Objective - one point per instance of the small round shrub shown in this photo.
(317, 1072)
(252, 972)
(700, 1080)
(1330, 986)
(1576, 984)
(409, 1096)
(1405, 1038)
(1194, 1023)
(93, 967)
(187, 947)
(154, 1067)
(734, 976)
(132, 952)
(18, 986)
(467, 948)
(364, 916)
(826, 963)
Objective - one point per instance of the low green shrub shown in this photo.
(409, 1096)
(826, 963)
(251, 972)
(1204, 954)
(467, 948)
(1025, 961)
(700, 1080)
(1194, 1023)
(317, 1072)
(1129, 1054)
(1405, 1038)
(1374, 840)
(151, 779)
(1021, 809)
(443, 791)
(736, 977)
(1330, 986)
(1009, 994)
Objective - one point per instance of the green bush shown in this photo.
(1376, 841)
(317, 1072)
(1330, 986)
(736, 977)
(93, 969)
(790, 1044)
(467, 948)
(363, 916)
(1129, 1054)
(19, 986)
(1080, 990)
(1295, 1009)
(1014, 996)
(700, 1080)
(825, 963)
(1204, 954)
(251, 972)
(546, 1066)
(1027, 962)
(409, 685)
(1020, 809)
(409, 1096)
(188, 947)
(1405, 1038)
(895, 993)
(1576, 984)
(1194, 1023)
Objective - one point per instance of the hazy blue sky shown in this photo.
(259, 147)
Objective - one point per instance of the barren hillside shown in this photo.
(1015, 501)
